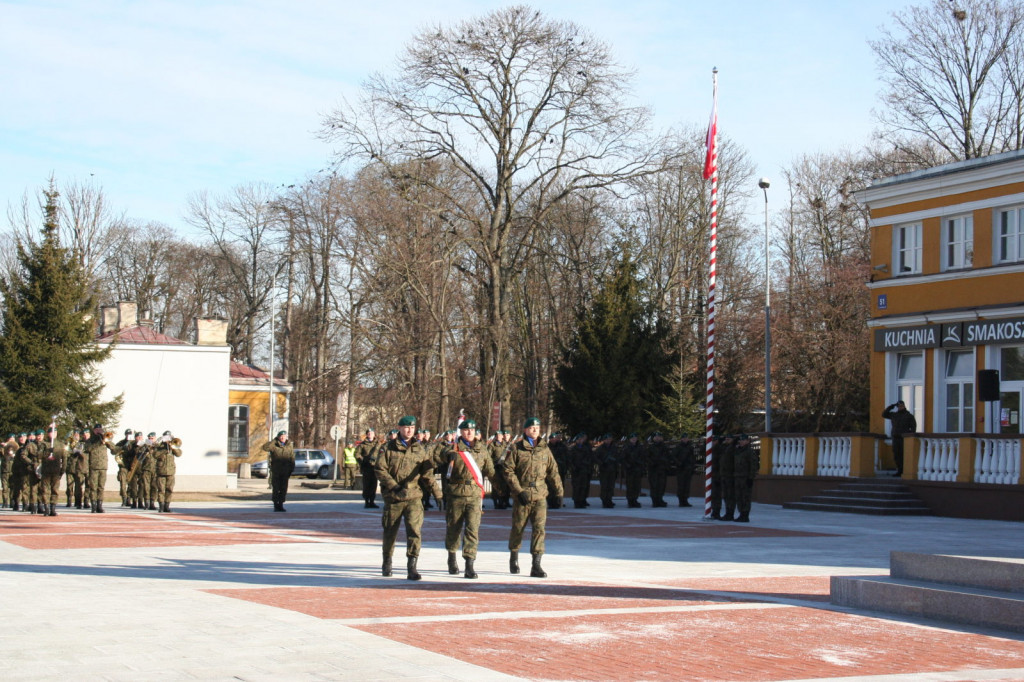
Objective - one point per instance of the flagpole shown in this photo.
(711, 171)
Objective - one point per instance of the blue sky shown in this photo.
(156, 100)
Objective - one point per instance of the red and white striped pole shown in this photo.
(711, 171)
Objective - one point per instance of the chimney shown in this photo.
(211, 331)
(146, 318)
(127, 314)
(108, 319)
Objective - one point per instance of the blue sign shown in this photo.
(883, 301)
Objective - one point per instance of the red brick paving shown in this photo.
(808, 588)
(771, 644)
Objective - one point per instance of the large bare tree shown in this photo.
(529, 110)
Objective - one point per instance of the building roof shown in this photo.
(243, 374)
(142, 335)
(948, 168)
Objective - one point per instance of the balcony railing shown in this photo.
(963, 457)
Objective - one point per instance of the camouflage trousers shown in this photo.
(164, 489)
(76, 488)
(349, 476)
(49, 488)
(122, 479)
(5, 483)
(536, 513)
(394, 512)
(97, 480)
(462, 516)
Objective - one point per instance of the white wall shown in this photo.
(181, 388)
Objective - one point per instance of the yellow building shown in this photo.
(947, 295)
(249, 421)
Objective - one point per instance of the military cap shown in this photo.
(38, 432)
(152, 434)
(10, 435)
(168, 432)
(279, 433)
(531, 421)
(370, 430)
(393, 432)
(22, 435)
(467, 424)
(97, 426)
(420, 432)
(128, 432)
(407, 420)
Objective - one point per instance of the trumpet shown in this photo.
(108, 435)
(176, 442)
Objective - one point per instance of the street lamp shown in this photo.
(763, 183)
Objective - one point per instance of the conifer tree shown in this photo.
(47, 354)
(613, 374)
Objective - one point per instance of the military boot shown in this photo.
(536, 571)
(30, 508)
(513, 562)
(470, 573)
(68, 505)
(453, 565)
(99, 507)
(167, 507)
(92, 507)
(14, 506)
(385, 569)
(41, 509)
(135, 504)
(152, 505)
(53, 510)
(411, 572)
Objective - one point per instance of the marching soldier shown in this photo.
(139, 450)
(52, 468)
(466, 464)
(686, 461)
(727, 469)
(74, 469)
(282, 464)
(7, 450)
(365, 455)
(166, 452)
(499, 488)
(123, 459)
(28, 454)
(96, 449)
(633, 467)
(401, 464)
(528, 466)
(18, 471)
(147, 471)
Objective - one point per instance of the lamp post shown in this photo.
(763, 183)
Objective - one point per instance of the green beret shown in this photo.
(407, 420)
(467, 424)
(279, 433)
(531, 421)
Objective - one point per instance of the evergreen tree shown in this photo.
(613, 374)
(679, 411)
(47, 354)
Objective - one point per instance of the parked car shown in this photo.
(309, 463)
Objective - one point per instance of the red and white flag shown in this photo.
(711, 158)
(473, 467)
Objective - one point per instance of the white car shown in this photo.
(309, 463)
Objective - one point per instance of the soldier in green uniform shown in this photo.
(608, 469)
(7, 450)
(560, 451)
(499, 488)
(401, 464)
(581, 461)
(282, 464)
(52, 468)
(529, 469)
(29, 456)
(365, 455)
(75, 483)
(685, 461)
(122, 457)
(96, 449)
(659, 461)
(745, 466)
(726, 468)
(464, 466)
(138, 449)
(633, 458)
(167, 452)
(147, 472)
(18, 475)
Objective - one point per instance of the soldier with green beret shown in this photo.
(530, 471)
(7, 450)
(745, 466)
(400, 466)
(96, 449)
(465, 464)
(51, 465)
(166, 452)
(365, 455)
(659, 461)
(282, 464)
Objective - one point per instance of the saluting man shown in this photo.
(282, 464)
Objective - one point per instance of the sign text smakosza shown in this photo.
(950, 334)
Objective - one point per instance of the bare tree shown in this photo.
(529, 110)
(949, 68)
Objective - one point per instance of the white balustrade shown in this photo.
(997, 460)
(834, 455)
(789, 456)
(939, 459)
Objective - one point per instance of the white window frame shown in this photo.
(910, 391)
(957, 242)
(1009, 245)
(907, 249)
(965, 421)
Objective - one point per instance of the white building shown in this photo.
(169, 384)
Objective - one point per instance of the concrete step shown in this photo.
(862, 501)
(969, 605)
(850, 509)
(990, 573)
(870, 494)
(876, 485)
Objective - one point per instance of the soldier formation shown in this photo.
(32, 465)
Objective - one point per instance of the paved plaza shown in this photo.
(229, 590)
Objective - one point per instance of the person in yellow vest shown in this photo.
(349, 468)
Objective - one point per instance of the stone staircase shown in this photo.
(865, 496)
(981, 591)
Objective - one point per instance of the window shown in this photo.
(1009, 233)
(1011, 362)
(907, 243)
(959, 380)
(238, 431)
(910, 384)
(957, 242)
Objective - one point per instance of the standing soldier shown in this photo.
(726, 465)
(658, 463)
(123, 456)
(52, 468)
(349, 480)
(73, 467)
(401, 464)
(166, 452)
(560, 451)
(745, 466)
(423, 436)
(282, 464)
(139, 449)
(633, 466)
(529, 465)
(29, 456)
(366, 454)
(7, 450)
(465, 466)
(581, 459)
(686, 461)
(499, 488)
(96, 449)
(147, 472)
(608, 469)
(903, 423)
(18, 474)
